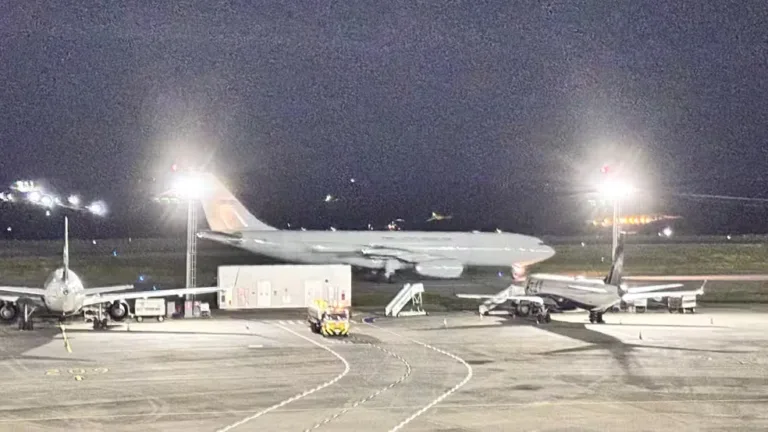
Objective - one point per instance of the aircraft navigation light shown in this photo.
(74, 200)
(667, 231)
(47, 201)
(34, 197)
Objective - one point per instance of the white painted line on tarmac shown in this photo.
(300, 395)
(255, 346)
(372, 395)
(442, 396)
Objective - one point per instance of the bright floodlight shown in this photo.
(46, 201)
(188, 186)
(74, 200)
(98, 208)
(34, 197)
(616, 189)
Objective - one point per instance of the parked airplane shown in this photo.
(438, 217)
(542, 292)
(63, 294)
(442, 255)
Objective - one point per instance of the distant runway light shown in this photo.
(47, 212)
(9, 229)
(74, 200)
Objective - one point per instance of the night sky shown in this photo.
(499, 113)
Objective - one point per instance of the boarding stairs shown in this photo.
(500, 298)
(410, 293)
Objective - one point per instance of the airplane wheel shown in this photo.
(160, 318)
(547, 318)
(139, 319)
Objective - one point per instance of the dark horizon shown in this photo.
(499, 114)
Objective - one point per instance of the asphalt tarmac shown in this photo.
(449, 372)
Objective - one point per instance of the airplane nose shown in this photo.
(548, 252)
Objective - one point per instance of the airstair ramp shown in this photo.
(499, 298)
(410, 293)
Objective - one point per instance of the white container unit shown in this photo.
(283, 286)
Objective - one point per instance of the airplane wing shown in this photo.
(532, 299)
(733, 278)
(654, 294)
(109, 298)
(107, 289)
(585, 288)
(8, 298)
(23, 290)
(476, 296)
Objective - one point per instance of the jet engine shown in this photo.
(118, 311)
(441, 269)
(8, 311)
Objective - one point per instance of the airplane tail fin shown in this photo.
(617, 268)
(66, 249)
(225, 213)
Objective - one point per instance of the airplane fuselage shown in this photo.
(64, 297)
(592, 293)
(321, 247)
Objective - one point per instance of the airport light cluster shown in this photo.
(26, 191)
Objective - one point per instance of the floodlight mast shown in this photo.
(187, 188)
(614, 189)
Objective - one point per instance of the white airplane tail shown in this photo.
(65, 276)
(225, 213)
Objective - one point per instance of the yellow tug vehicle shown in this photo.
(327, 319)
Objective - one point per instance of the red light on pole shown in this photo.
(605, 169)
(174, 167)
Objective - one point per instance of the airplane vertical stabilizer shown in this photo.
(65, 275)
(617, 268)
(225, 213)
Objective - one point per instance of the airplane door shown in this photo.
(265, 294)
(312, 290)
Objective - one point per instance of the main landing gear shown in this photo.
(25, 320)
(527, 309)
(596, 317)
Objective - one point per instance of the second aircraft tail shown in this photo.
(225, 213)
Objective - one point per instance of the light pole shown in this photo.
(188, 186)
(615, 190)
(191, 245)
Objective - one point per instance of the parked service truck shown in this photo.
(149, 308)
(328, 320)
